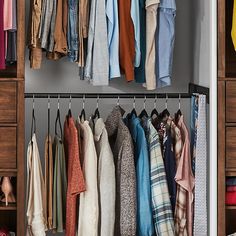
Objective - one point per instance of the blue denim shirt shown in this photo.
(144, 203)
(165, 37)
(113, 37)
(72, 34)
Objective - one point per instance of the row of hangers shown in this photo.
(96, 115)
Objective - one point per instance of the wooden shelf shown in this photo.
(10, 207)
(230, 172)
(8, 172)
(230, 207)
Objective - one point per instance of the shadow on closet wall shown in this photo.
(201, 42)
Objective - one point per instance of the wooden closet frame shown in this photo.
(19, 171)
(226, 101)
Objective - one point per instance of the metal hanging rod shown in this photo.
(108, 95)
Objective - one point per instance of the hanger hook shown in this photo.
(144, 102)
(97, 101)
(155, 102)
(118, 100)
(70, 102)
(179, 101)
(166, 101)
(134, 102)
(83, 101)
(33, 102)
(58, 102)
(48, 101)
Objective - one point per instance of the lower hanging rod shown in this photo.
(108, 95)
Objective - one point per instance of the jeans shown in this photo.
(72, 34)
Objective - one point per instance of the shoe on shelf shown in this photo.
(7, 190)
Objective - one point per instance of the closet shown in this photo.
(226, 115)
(191, 64)
(12, 83)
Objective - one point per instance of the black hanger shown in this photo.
(154, 111)
(82, 114)
(96, 114)
(58, 118)
(33, 121)
(143, 112)
(165, 113)
(178, 113)
(133, 112)
(69, 111)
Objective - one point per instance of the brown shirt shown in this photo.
(61, 27)
(76, 183)
(34, 43)
(122, 148)
(48, 180)
(126, 40)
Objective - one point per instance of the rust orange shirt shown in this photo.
(76, 183)
(126, 40)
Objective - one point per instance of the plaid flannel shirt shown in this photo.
(161, 206)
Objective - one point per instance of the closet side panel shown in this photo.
(221, 158)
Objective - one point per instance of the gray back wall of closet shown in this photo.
(190, 64)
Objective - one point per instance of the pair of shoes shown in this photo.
(7, 189)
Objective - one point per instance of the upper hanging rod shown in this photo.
(108, 95)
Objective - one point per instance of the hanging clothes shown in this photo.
(127, 39)
(59, 186)
(36, 215)
(113, 37)
(76, 183)
(140, 70)
(200, 208)
(106, 180)
(2, 40)
(136, 22)
(83, 30)
(193, 127)
(61, 28)
(72, 34)
(185, 185)
(88, 207)
(144, 208)
(97, 64)
(11, 50)
(151, 25)
(165, 37)
(34, 34)
(122, 147)
(233, 30)
(48, 162)
(161, 206)
(170, 165)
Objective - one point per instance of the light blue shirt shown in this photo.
(113, 37)
(165, 37)
(144, 203)
(136, 21)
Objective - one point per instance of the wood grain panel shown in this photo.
(21, 160)
(221, 38)
(7, 147)
(8, 102)
(231, 147)
(231, 101)
(221, 158)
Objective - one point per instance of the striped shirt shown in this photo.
(161, 206)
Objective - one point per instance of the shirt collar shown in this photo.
(98, 130)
